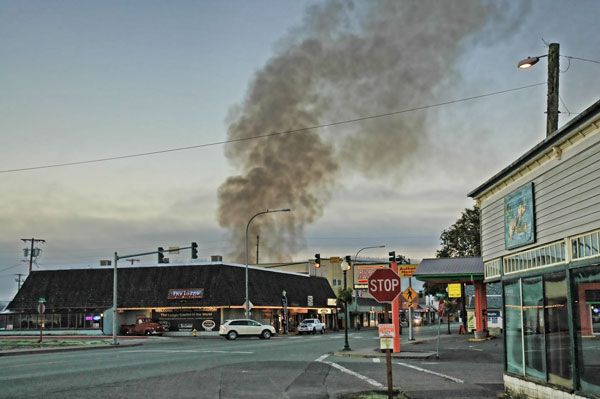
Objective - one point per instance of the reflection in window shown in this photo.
(558, 347)
(587, 325)
(533, 327)
(513, 339)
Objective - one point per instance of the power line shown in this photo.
(267, 135)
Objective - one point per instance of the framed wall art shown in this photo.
(519, 217)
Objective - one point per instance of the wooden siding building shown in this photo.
(540, 237)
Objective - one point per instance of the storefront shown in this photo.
(540, 229)
(183, 299)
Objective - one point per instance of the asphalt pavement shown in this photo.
(283, 367)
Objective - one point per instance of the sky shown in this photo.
(86, 80)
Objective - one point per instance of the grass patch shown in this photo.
(8, 344)
(374, 395)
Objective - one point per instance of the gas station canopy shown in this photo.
(450, 270)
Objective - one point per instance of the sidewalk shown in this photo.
(465, 368)
(104, 343)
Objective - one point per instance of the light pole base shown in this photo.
(346, 348)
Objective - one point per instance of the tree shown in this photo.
(344, 295)
(463, 238)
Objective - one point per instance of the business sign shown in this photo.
(186, 320)
(331, 301)
(406, 270)
(309, 300)
(363, 274)
(324, 311)
(186, 293)
(454, 290)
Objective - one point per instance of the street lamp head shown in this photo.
(279, 210)
(345, 266)
(528, 62)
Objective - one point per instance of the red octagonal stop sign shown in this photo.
(384, 285)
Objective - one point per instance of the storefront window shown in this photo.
(533, 327)
(513, 320)
(558, 346)
(586, 295)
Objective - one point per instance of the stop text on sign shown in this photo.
(382, 284)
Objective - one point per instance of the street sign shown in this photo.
(410, 295)
(406, 270)
(246, 307)
(335, 259)
(386, 331)
(384, 285)
(41, 300)
(41, 308)
(454, 290)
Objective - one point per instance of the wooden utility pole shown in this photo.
(552, 104)
(31, 250)
(18, 280)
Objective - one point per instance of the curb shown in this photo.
(374, 354)
(18, 352)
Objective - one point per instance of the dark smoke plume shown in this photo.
(347, 60)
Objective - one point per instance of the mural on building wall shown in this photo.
(519, 223)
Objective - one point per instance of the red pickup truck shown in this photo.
(143, 326)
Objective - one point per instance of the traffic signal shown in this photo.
(194, 250)
(348, 259)
(317, 260)
(161, 256)
(392, 255)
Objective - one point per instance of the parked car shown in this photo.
(231, 329)
(311, 326)
(417, 319)
(142, 326)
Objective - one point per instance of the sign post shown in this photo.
(41, 309)
(440, 312)
(386, 337)
(384, 285)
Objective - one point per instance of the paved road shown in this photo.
(283, 367)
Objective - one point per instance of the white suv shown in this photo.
(311, 326)
(231, 329)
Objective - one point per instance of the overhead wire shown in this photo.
(273, 134)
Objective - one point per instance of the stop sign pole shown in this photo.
(384, 285)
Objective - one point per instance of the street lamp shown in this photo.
(247, 303)
(552, 101)
(353, 283)
(345, 267)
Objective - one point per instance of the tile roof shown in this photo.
(224, 285)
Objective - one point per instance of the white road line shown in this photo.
(448, 377)
(186, 351)
(355, 374)
(376, 360)
(321, 358)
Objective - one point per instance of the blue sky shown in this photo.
(87, 80)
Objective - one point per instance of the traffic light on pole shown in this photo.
(317, 260)
(161, 256)
(194, 250)
(392, 255)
